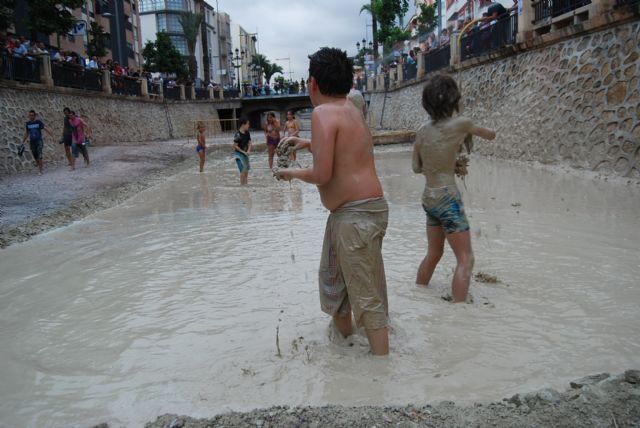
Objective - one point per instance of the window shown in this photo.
(180, 44)
(168, 22)
(154, 5)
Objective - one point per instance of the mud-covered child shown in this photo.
(242, 148)
(351, 276)
(437, 144)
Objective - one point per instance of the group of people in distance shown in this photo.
(242, 141)
(351, 275)
(75, 137)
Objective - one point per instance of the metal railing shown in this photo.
(487, 39)
(172, 93)
(545, 9)
(541, 10)
(560, 7)
(22, 69)
(76, 76)
(437, 59)
(124, 85)
(410, 71)
(153, 88)
(624, 3)
(231, 93)
(202, 94)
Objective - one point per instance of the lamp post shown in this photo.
(115, 19)
(236, 61)
(289, 60)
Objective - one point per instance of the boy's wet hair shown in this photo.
(440, 97)
(243, 120)
(332, 70)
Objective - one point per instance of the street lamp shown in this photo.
(289, 60)
(236, 62)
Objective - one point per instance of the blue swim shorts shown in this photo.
(444, 208)
(242, 161)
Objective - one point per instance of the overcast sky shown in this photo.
(296, 28)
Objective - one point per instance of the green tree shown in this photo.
(6, 14)
(427, 20)
(49, 16)
(268, 69)
(161, 56)
(98, 41)
(388, 13)
(191, 23)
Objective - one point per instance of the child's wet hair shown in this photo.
(441, 97)
(243, 120)
(332, 71)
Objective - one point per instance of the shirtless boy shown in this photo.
(351, 273)
(434, 155)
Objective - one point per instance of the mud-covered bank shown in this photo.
(594, 401)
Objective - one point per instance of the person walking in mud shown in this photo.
(292, 129)
(437, 144)
(67, 135)
(33, 130)
(242, 148)
(272, 133)
(80, 132)
(201, 148)
(351, 276)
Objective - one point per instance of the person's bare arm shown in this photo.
(24, 138)
(296, 130)
(48, 132)
(237, 147)
(416, 161)
(322, 146)
(86, 127)
(249, 147)
(479, 131)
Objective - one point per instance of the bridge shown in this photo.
(254, 107)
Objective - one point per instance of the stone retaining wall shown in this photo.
(575, 102)
(113, 120)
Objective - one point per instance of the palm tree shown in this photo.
(190, 23)
(371, 8)
(265, 65)
(269, 70)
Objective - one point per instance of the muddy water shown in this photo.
(173, 301)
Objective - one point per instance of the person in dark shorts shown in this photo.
(67, 134)
(33, 130)
(80, 132)
(242, 148)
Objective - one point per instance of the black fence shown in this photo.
(202, 94)
(560, 7)
(153, 88)
(545, 9)
(172, 93)
(231, 93)
(409, 71)
(624, 3)
(76, 76)
(187, 93)
(216, 94)
(23, 69)
(481, 41)
(124, 85)
(437, 59)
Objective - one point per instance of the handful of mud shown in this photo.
(462, 161)
(284, 150)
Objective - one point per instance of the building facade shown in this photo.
(246, 42)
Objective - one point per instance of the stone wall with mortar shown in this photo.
(113, 120)
(575, 102)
